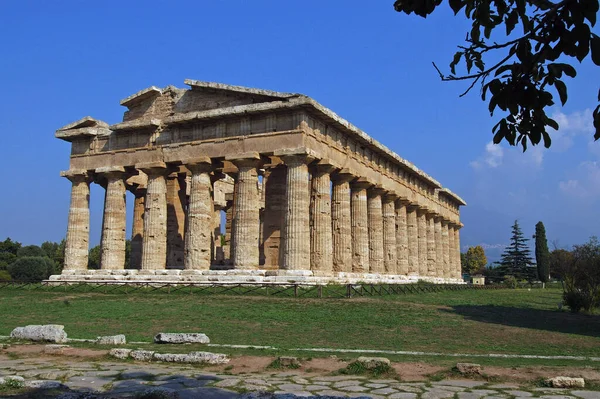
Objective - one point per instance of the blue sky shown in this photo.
(67, 59)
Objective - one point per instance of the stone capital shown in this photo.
(77, 175)
(324, 166)
(342, 176)
(198, 165)
(111, 171)
(245, 159)
(376, 191)
(153, 168)
(361, 184)
(389, 196)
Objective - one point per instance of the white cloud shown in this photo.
(570, 125)
(492, 157)
(587, 184)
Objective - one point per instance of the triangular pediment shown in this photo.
(84, 127)
(86, 121)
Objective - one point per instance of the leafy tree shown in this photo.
(582, 277)
(56, 252)
(31, 269)
(94, 258)
(474, 260)
(559, 261)
(9, 246)
(516, 259)
(30, 250)
(542, 255)
(518, 70)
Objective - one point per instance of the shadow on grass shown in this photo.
(563, 322)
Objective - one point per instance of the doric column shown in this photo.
(360, 228)
(112, 243)
(445, 249)
(341, 222)
(431, 259)
(390, 249)
(451, 251)
(422, 231)
(457, 267)
(216, 237)
(227, 252)
(375, 223)
(412, 231)
(137, 231)
(246, 217)
(154, 241)
(296, 231)
(274, 193)
(401, 238)
(78, 228)
(439, 257)
(176, 202)
(321, 246)
(198, 237)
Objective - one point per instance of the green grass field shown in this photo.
(472, 321)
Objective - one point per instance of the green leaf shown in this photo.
(595, 47)
(552, 123)
(561, 88)
(455, 61)
(456, 5)
(547, 140)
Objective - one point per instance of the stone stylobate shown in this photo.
(304, 194)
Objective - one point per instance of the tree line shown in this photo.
(577, 269)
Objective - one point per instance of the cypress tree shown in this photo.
(516, 259)
(542, 255)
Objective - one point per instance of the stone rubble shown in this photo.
(49, 333)
(373, 362)
(181, 338)
(566, 382)
(112, 340)
(468, 368)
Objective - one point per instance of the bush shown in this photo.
(576, 301)
(4, 275)
(31, 269)
(30, 250)
(510, 282)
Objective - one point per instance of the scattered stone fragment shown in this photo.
(142, 355)
(192, 357)
(566, 382)
(112, 340)
(373, 362)
(181, 338)
(289, 361)
(43, 384)
(48, 332)
(468, 368)
(120, 353)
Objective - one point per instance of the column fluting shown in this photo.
(457, 265)
(422, 230)
(154, 241)
(112, 244)
(200, 214)
(401, 238)
(412, 230)
(321, 246)
(439, 257)
(390, 250)
(137, 231)
(360, 228)
(246, 218)
(296, 230)
(431, 259)
(341, 223)
(451, 251)
(445, 249)
(375, 223)
(78, 228)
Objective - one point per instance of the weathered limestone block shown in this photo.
(181, 338)
(193, 357)
(141, 355)
(112, 245)
(445, 249)
(401, 238)
(373, 362)
(412, 231)
(154, 241)
(431, 247)
(390, 249)
(120, 353)
(198, 237)
(375, 223)
(341, 223)
(48, 332)
(296, 227)
(78, 230)
(360, 227)
(422, 237)
(55, 349)
(289, 361)
(457, 270)
(43, 384)
(321, 245)
(566, 382)
(451, 251)
(439, 245)
(118, 339)
(246, 219)
(468, 368)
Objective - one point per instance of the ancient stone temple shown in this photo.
(238, 184)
